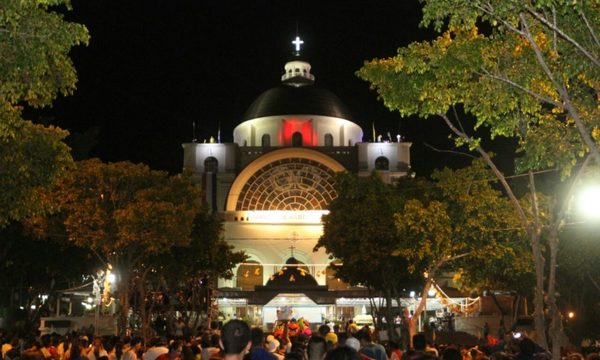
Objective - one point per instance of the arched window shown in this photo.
(266, 140)
(249, 275)
(211, 164)
(328, 140)
(296, 139)
(382, 163)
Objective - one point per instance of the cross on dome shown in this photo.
(293, 241)
(297, 42)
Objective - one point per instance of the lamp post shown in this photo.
(588, 202)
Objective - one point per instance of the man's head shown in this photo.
(419, 341)
(323, 330)
(257, 336)
(235, 337)
(364, 336)
(136, 343)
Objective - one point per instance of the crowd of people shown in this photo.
(236, 340)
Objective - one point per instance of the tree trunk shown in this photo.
(389, 316)
(534, 231)
(144, 311)
(124, 292)
(496, 302)
(538, 299)
(556, 329)
(412, 325)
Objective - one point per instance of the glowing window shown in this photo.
(297, 139)
(266, 140)
(289, 184)
(211, 164)
(382, 163)
(249, 275)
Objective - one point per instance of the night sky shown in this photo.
(154, 67)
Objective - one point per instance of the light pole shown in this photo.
(588, 202)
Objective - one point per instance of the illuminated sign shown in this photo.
(285, 217)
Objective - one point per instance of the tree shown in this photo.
(464, 225)
(186, 272)
(126, 213)
(34, 68)
(32, 269)
(360, 232)
(419, 229)
(32, 158)
(531, 75)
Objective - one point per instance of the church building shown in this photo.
(273, 183)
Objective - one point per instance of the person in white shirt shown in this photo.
(134, 347)
(97, 351)
(159, 347)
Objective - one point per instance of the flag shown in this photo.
(374, 136)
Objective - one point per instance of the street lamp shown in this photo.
(588, 202)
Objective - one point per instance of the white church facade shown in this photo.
(273, 183)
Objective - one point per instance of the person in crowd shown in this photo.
(395, 353)
(342, 353)
(430, 349)
(273, 346)
(235, 340)
(452, 353)
(418, 352)
(97, 351)
(11, 349)
(298, 350)
(351, 339)
(258, 350)
(331, 340)
(179, 327)
(135, 345)
(84, 342)
(157, 348)
(186, 350)
(32, 348)
(368, 348)
(174, 351)
(210, 347)
(317, 346)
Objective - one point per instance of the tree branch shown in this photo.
(458, 119)
(589, 27)
(534, 202)
(554, 37)
(520, 87)
(449, 151)
(446, 260)
(583, 131)
(489, 10)
(499, 175)
(562, 34)
(593, 281)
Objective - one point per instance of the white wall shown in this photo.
(344, 132)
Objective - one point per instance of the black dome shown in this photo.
(291, 276)
(289, 100)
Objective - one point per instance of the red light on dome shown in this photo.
(302, 126)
